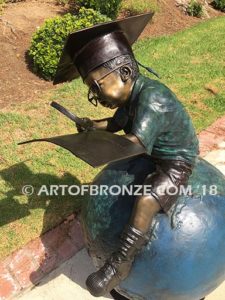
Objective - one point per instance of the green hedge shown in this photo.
(219, 4)
(195, 9)
(47, 43)
(108, 8)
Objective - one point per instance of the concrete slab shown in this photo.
(217, 158)
(66, 282)
(218, 294)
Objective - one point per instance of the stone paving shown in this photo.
(59, 249)
(68, 282)
(217, 157)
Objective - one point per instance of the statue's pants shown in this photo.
(168, 181)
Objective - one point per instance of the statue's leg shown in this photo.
(166, 183)
(135, 235)
(118, 266)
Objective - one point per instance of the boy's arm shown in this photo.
(133, 139)
(107, 124)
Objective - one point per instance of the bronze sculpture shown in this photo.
(160, 136)
(106, 63)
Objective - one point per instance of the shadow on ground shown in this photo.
(56, 207)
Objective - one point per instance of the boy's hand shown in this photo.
(103, 124)
(88, 125)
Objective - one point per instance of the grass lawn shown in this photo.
(190, 62)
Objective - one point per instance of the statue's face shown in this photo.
(108, 87)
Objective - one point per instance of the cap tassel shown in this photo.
(150, 70)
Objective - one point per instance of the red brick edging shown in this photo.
(29, 265)
(212, 136)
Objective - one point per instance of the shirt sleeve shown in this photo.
(148, 121)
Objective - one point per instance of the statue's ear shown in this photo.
(125, 73)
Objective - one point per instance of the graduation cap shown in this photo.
(89, 48)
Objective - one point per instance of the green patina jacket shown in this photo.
(155, 115)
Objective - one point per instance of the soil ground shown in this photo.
(20, 20)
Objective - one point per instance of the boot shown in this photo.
(118, 266)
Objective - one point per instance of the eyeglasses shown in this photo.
(94, 92)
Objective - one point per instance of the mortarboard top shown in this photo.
(91, 47)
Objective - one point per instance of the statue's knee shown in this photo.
(149, 202)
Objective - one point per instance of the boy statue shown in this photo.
(150, 115)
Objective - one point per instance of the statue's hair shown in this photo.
(123, 59)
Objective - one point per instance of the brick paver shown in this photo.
(8, 285)
(29, 265)
(212, 137)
